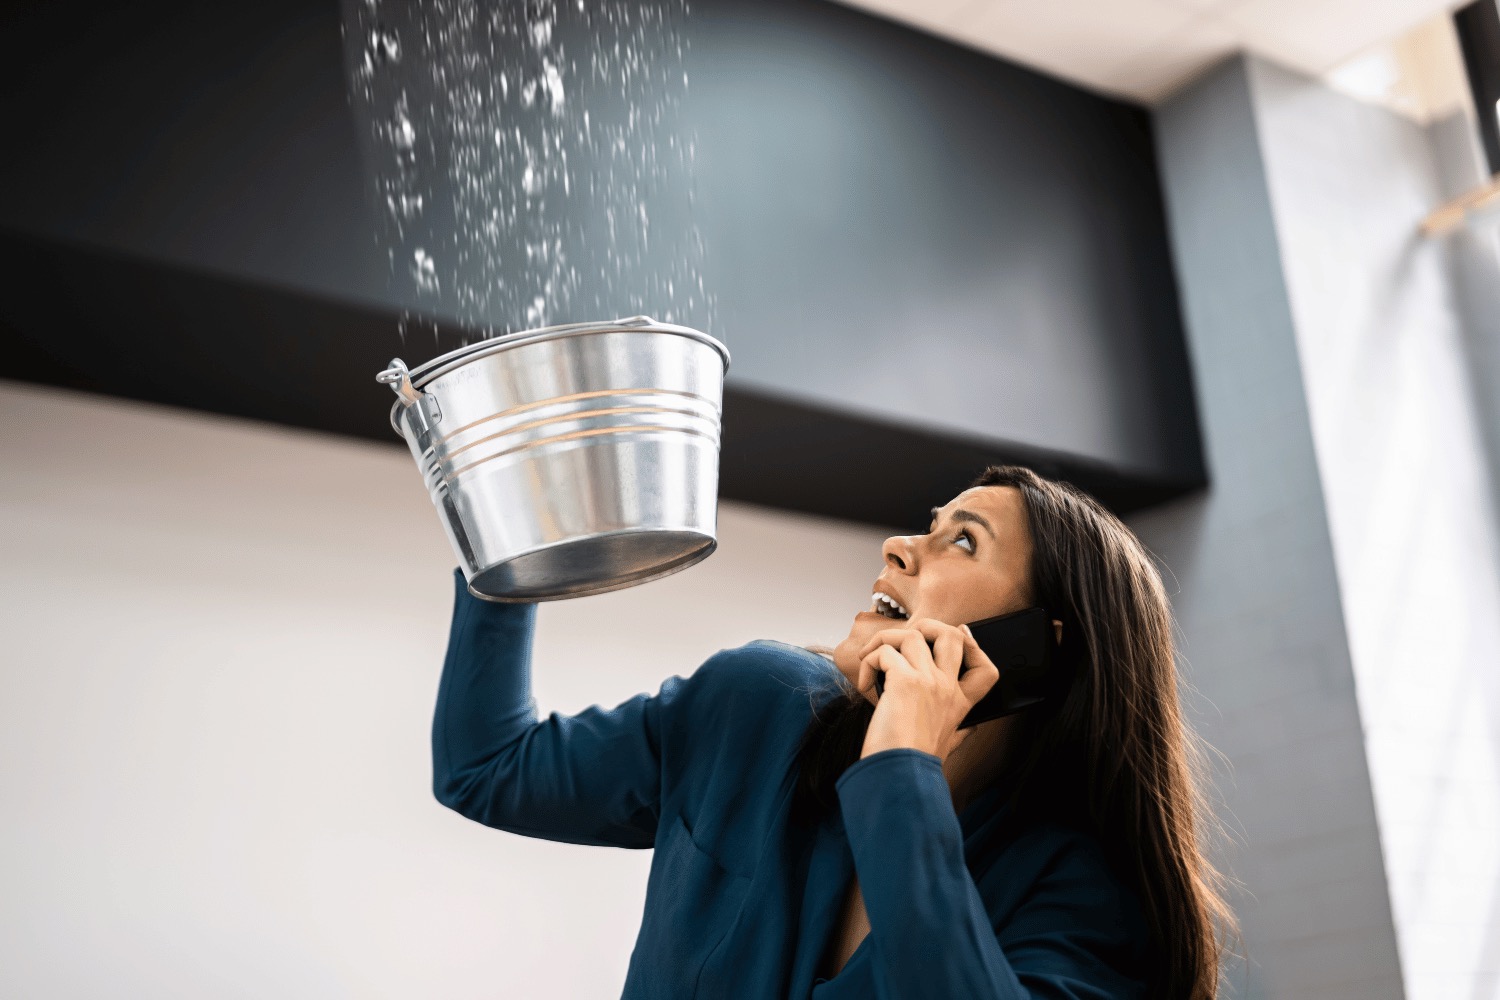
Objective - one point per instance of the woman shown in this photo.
(815, 839)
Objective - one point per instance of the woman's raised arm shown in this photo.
(590, 778)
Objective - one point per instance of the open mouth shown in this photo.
(886, 606)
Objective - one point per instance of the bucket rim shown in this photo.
(441, 365)
(444, 363)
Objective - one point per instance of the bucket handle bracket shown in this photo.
(398, 378)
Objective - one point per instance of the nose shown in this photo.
(900, 553)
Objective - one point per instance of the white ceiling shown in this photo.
(1145, 49)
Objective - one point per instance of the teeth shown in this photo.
(878, 599)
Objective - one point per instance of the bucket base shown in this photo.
(595, 564)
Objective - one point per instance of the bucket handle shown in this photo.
(398, 378)
(421, 406)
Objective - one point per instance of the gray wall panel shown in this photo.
(1385, 340)
(1257, 596)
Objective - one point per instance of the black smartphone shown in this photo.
(1023, 645)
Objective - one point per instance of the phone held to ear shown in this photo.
(1023, 645)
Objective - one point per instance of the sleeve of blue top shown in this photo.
(591, 778)
(932, 936)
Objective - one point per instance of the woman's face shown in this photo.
(974, 562)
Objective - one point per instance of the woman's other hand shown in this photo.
(924, 698)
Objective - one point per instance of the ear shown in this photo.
(1057, 630)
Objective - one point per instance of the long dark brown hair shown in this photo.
(1113, 754)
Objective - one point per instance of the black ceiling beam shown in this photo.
(99, 321)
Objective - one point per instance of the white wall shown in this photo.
(222, 644)
(1401, 455)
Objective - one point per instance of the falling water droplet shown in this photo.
(552, 80)
(385, 45)
(424, 269)
(404, 207)
(403, 132)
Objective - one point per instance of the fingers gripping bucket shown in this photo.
(570, 460)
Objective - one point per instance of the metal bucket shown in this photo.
(571, 460)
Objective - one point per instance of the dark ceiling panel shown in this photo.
(899, 230)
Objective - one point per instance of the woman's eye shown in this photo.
(965, 541)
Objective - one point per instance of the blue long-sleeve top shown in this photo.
(741, 902)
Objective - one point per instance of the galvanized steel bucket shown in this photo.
(570, 460)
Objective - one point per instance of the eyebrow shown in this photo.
(967, 515)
